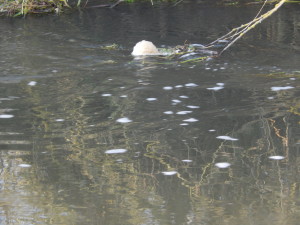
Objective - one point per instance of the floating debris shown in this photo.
(124, 120)
(222, 165)
(227, 138)
(116, 151)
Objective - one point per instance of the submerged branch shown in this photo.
(236, 33)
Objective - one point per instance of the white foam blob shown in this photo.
(281, 88)
(183, 96)
(191, 120)
(222, 165)
(176, 101)
(215, 88)
(179, 86)
(212, 130)
(123, 96)
(23, 165)
(187, 160)
(183, 112)
(227, 138)
(191, 85)
(6, 116)
(168, 112)
(169, 173)
(276, 157)
(220, 84)
(168, 88)
(116, 151)
(106, 95)
(32, 83)
(124, 120)
(59, 120)
(193, 106)
(184, 124)
(151, 99)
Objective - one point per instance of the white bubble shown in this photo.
(183, 112)
(187, 160)
(176, 101)
(220, 84)
(193, 106)
(6, 116)
(106, 95)
(151, 99)
(183, 96)
(124, 120)
(168, 112)
(116, 151)
(32, 83)
(123, 96)
(191, 85)
(227, 138)
(59, 120)
(215, 88)
(167, 88)
(184, 124)
(24, 165)
(190, 120)
(222, 165)
(169, 173)
(212, 130)
(281, 88)
(276, 157)
(179, 86)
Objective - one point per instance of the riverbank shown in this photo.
(24, 7)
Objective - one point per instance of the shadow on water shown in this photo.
(90, 135)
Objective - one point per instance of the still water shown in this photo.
(90, 135)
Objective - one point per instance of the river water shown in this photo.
(91, 135)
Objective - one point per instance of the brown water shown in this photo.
(66, 101)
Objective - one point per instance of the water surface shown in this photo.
(93, 136)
